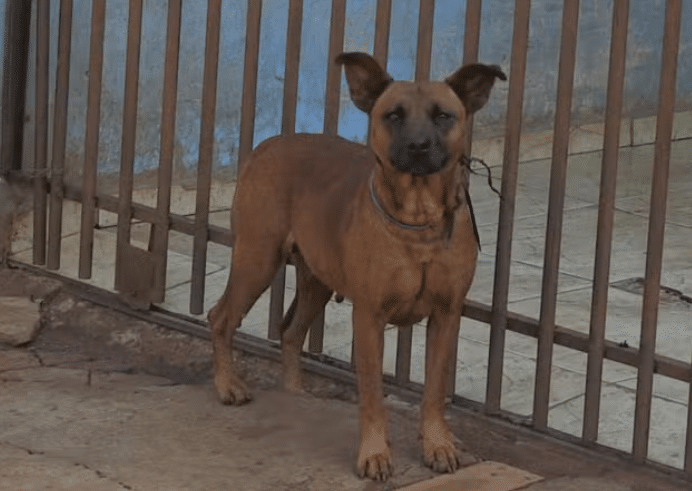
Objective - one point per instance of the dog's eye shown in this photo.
(442, 118)
(396, 116)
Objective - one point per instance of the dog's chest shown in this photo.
(407, 285)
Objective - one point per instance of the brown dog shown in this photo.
(387, 227)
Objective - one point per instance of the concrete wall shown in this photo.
(646, 23)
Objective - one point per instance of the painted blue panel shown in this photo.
(641, 94)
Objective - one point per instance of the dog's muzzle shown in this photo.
(419, 157)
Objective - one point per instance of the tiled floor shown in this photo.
(573, 301)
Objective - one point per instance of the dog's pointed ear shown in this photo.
(366, 79)
(472, 83)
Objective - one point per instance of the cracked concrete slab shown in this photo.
(30, 471)
(20, 320)
(141, 432)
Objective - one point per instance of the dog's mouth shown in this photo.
(419, 156)
(421, 164)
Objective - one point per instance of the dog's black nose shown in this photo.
(419, 146)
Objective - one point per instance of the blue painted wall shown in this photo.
(646, 24)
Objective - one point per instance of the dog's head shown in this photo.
(417, 127)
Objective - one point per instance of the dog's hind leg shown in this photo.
(311, 296)
(251, 274)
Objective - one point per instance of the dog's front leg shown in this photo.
(374, 455)
(439, 451)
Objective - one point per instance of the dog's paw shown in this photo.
(374, 464)
(232, 392)
(293, 383)
(441, 456)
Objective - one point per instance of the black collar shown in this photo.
(387, 215)
(407, 226)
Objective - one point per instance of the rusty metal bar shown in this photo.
(569, 338)
(426, 16)
(383, 19)
(316, 343)
(510, 164)
(472, 35)
(129, 134)
(404, 343)
(472, 30)
(336, 45)
(247, 109)
(331, 123)
(425, 33)
(14, 77)
(295, 22)
(556, 199)
(606, 211)
(41, 129)
(148, 214)
(91, 139)
(688, 441)
(62, 82)
(159, 232)
(206, 154)
(288, 126)
(657, 219)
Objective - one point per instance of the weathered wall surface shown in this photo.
(643, 65)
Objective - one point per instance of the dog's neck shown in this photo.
(424, 204)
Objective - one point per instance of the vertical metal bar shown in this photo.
(41, 138)
(336, 45)
(159, 233)
(425, 31)
(295, 22)
(606, 210)
(288, 126)
(556, 199)
(472, 35)
(59, 134)
(383, 19)
(404, 343)
(423, 55)
(657, 219)
(91, 138)
(247, 109)
(510, 164)
(14, 77)
(129, 135)
(331, 123)
(206, 154)
(688, 442)
(472, 30)
(316, 343)
(452, 379)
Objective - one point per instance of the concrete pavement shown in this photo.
(102, 401)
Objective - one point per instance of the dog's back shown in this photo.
(286, 176)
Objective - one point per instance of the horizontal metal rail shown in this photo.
(477, 311)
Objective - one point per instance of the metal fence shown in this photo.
(141, 273)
